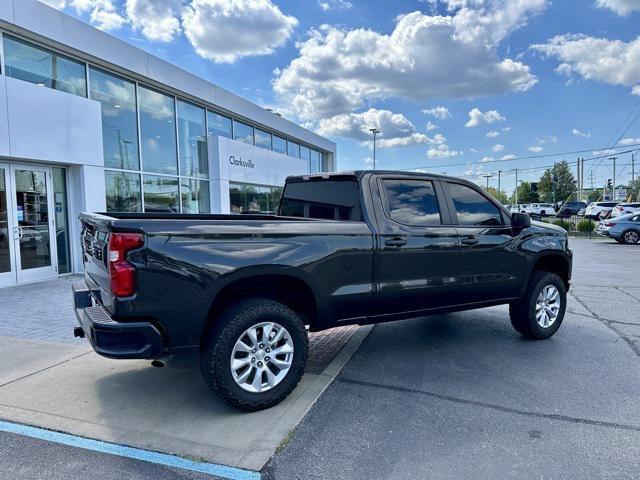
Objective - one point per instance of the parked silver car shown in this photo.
(624, 229)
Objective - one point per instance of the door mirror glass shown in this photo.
(520, 220)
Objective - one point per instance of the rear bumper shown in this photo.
(113, 339)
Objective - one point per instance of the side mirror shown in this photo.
(520, 220)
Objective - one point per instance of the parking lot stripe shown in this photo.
(130, 452)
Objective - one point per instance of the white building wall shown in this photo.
(5, 151)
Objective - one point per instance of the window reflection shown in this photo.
(314, 164)
(119, 124)
(27, 62)
(253, 199)
(193, 142)
(263, 139)
(123, 192)
(5, 260)
(218, 124)
(279, 144)
(161, 194)
(472, 208)
(62, 221)
(195, 196)
(157, 132)
(242, 132)
(412, 202)
(293, 149)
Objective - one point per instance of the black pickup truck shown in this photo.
(345, 248)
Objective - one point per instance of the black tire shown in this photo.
(523, 312)
(216, 349)
(629, 238)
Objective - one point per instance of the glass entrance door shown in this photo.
(33, 223)
(7, 263)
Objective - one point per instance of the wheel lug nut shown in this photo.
(253, 359)
(267, 350)
(266, 359)
(253, 351)
(260, 364)
(261, 345)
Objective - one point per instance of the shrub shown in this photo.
(564, 224)
(586, 226)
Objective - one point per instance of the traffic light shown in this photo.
(609, 184)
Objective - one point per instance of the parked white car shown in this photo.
(625, 208)
(542, 209)
(599, 210)
(517, 208)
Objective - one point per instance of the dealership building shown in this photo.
(91, 123)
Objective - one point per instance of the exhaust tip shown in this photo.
(78, 332)
(157, 364)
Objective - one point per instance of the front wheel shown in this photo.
(539, 313)
(256, 354)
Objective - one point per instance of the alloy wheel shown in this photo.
(262, 357)
(631, 236)
(548, 306)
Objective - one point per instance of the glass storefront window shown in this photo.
(263, 139)
(5, 241)
(123, 192)
(219, 124)
(195, 196)
(192, 146)
(314, 165)
(293, 149)
(62, 221)
(253, 199)
(27, 62)
(161, 194)
(279, 144)
(242, 132)
(157, 132)
(305, 153)
(119, 122)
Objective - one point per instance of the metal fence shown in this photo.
(574, 225)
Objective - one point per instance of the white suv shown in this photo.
(625, 208)
(542, 209)
(599, 210)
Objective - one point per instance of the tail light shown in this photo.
(121, 273)
(609, 224)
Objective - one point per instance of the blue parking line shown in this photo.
(130, 452)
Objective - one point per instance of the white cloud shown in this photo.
(477, 117)
(424, 57)
(506, 129)
(327, 5)
(395, 129)
(509, 157)
(439, 112)
(609, 61)
(493, 134)
(535, 149)
(431, 126)
(486, 158)
(629, 141)
(608, 151)
(225, 30)
(621, 7)
(102, 13)
(440, 148)
(158, 20)
(578, 133)
(498, 147)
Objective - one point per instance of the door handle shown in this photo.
(395, 242)
(470, 240)
(17, 232)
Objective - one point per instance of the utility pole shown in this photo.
(500, 172)
(633, 167)
(375, 132)
(554, 180)
(488, 176)
(581, 178)
(516, 186)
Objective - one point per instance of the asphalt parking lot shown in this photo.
(449, 396)
(462, 396)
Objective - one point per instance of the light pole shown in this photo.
(375, 131)
(499, 173)
(613, 187)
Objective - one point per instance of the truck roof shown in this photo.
(358, 174)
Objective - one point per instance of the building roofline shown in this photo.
(68, 34)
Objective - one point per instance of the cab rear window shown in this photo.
(335, 199)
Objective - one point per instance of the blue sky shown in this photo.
(453, 85)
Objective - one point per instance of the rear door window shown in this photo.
(473, 208)
(412, 202)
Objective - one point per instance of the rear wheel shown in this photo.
(255, 355)
(630, 237)
(539, 313)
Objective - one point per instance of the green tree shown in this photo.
(633, 189)
(525, 194)
(565, 183)
(501, 196)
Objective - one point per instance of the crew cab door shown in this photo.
(416, 256)
(490, 266)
